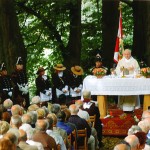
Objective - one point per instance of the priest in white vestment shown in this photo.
(128, 66)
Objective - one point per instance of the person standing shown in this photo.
(128, 66)
(60, 82)
(43, 85)
(19, 78)
(6, 87)
(76, 82)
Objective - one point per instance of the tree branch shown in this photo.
(47, 23)
(128, 2)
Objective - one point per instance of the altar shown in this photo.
(117, 86)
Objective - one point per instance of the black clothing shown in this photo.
(75, 82)
(19, 77)
(59, 83)
(93, 110)
(6, 87)
(42, 84)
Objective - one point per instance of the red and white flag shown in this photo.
(119, 42)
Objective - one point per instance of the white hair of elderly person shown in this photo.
(55, 108)
(16, 110)
(4, 127)
(30, 131)
(133, 142)
(123, 145)
(134, 129)
(146, 114)
(144, 125)
(33, 115)
(86, 96)
(36, 100)
(7, 103)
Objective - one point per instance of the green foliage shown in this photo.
(39, 20)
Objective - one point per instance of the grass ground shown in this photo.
(109, 142)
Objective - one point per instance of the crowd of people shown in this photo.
(56, 110)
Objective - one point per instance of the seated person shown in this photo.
(127, 66)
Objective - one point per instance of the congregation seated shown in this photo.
(55, 135)
(22, 141)
(81, 124)
(41, 136)
(92, 109)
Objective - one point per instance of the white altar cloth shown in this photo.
(116, 86)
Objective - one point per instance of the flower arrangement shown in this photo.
(145, 72)
(99, 72)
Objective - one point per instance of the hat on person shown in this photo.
(77, 70)
(2, 67)
(60, 67)
(19, 61)
(98, 58)
(41, 69)
(35, 100)
(7, 103)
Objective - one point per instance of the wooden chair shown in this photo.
(92, 120)
(83, 134)
(58, 147)
(74, 134)
(69, 140)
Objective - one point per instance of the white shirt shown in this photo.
(83, 114)
(58, 139)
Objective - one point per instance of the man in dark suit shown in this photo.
(19, 78)
(81, 124)
(6, 87)
(60, 82)
(92, 109)
(43, 85)
(75, 82)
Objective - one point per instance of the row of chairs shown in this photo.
(82, 134)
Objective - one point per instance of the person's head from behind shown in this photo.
(68, 113)
(127, 53)
(40, 113)
(86, 95)
(144, 125)
(7, 103)
(134, 129)
(22, 135)
(16, 110)
(123, 145)
(12, 137)
(133, 141)
(6, 144)
(73, 109)
(26, 118)
(54, 117)
(55, 108)
(41, 125)
(4, 127)
(15, 121)
(145, 114)
(62, 99)
(79, 103)
(61, 116)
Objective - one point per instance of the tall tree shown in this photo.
(141, 38)
(11, 42)
(110, 15)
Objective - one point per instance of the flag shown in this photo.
(119, 42)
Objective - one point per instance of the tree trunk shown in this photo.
(11, 42)
(110, 21)
(141, 38)
(74, 44)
